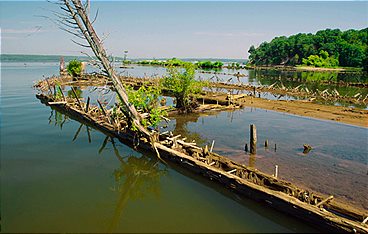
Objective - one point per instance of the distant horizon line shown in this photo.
(151, 58)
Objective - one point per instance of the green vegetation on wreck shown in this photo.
(349, 48)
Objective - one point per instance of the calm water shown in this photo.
(57, 178)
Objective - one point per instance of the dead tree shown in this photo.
(75, 20)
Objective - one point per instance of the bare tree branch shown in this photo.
(93, 21)
(80, 44)
(77, 14)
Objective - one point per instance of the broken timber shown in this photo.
(279, 194)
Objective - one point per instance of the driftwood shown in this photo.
(259, 186)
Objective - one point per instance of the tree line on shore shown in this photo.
(326, 48)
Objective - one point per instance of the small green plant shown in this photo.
(74, 68)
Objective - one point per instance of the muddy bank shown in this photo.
(303, 108)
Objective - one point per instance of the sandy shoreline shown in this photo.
(346, 115)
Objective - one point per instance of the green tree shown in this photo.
(347, 47)
(182, 84)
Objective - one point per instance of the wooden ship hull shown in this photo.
(324, 213)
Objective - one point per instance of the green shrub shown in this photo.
(74, 68)
(182, 84)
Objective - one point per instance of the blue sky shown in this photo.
(176, 29)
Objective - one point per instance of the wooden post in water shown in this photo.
(253, 139)
(276, 171)
(266, 143)
(62, 66)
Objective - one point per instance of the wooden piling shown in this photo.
(62, 65)
(246, 147)
(266, 143)
(253, 139)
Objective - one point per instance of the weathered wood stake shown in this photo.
(102, 109)
(213, 143)
(276, 171)
(266, 143)
(253, 139)
(76, 96)
(61, 91)
(87, 105)
(48, 84)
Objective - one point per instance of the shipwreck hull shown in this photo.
(281, 195)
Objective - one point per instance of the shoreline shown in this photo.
(346, 115)
(339, 114)
(305, 68)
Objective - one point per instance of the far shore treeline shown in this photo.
(326, 48)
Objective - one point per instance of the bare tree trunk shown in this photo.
(79, 15)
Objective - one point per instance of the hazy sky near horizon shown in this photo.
(176, 29)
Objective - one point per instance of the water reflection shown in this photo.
(135, 179)
(57, 118)
(181, 127)
(313, 81)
